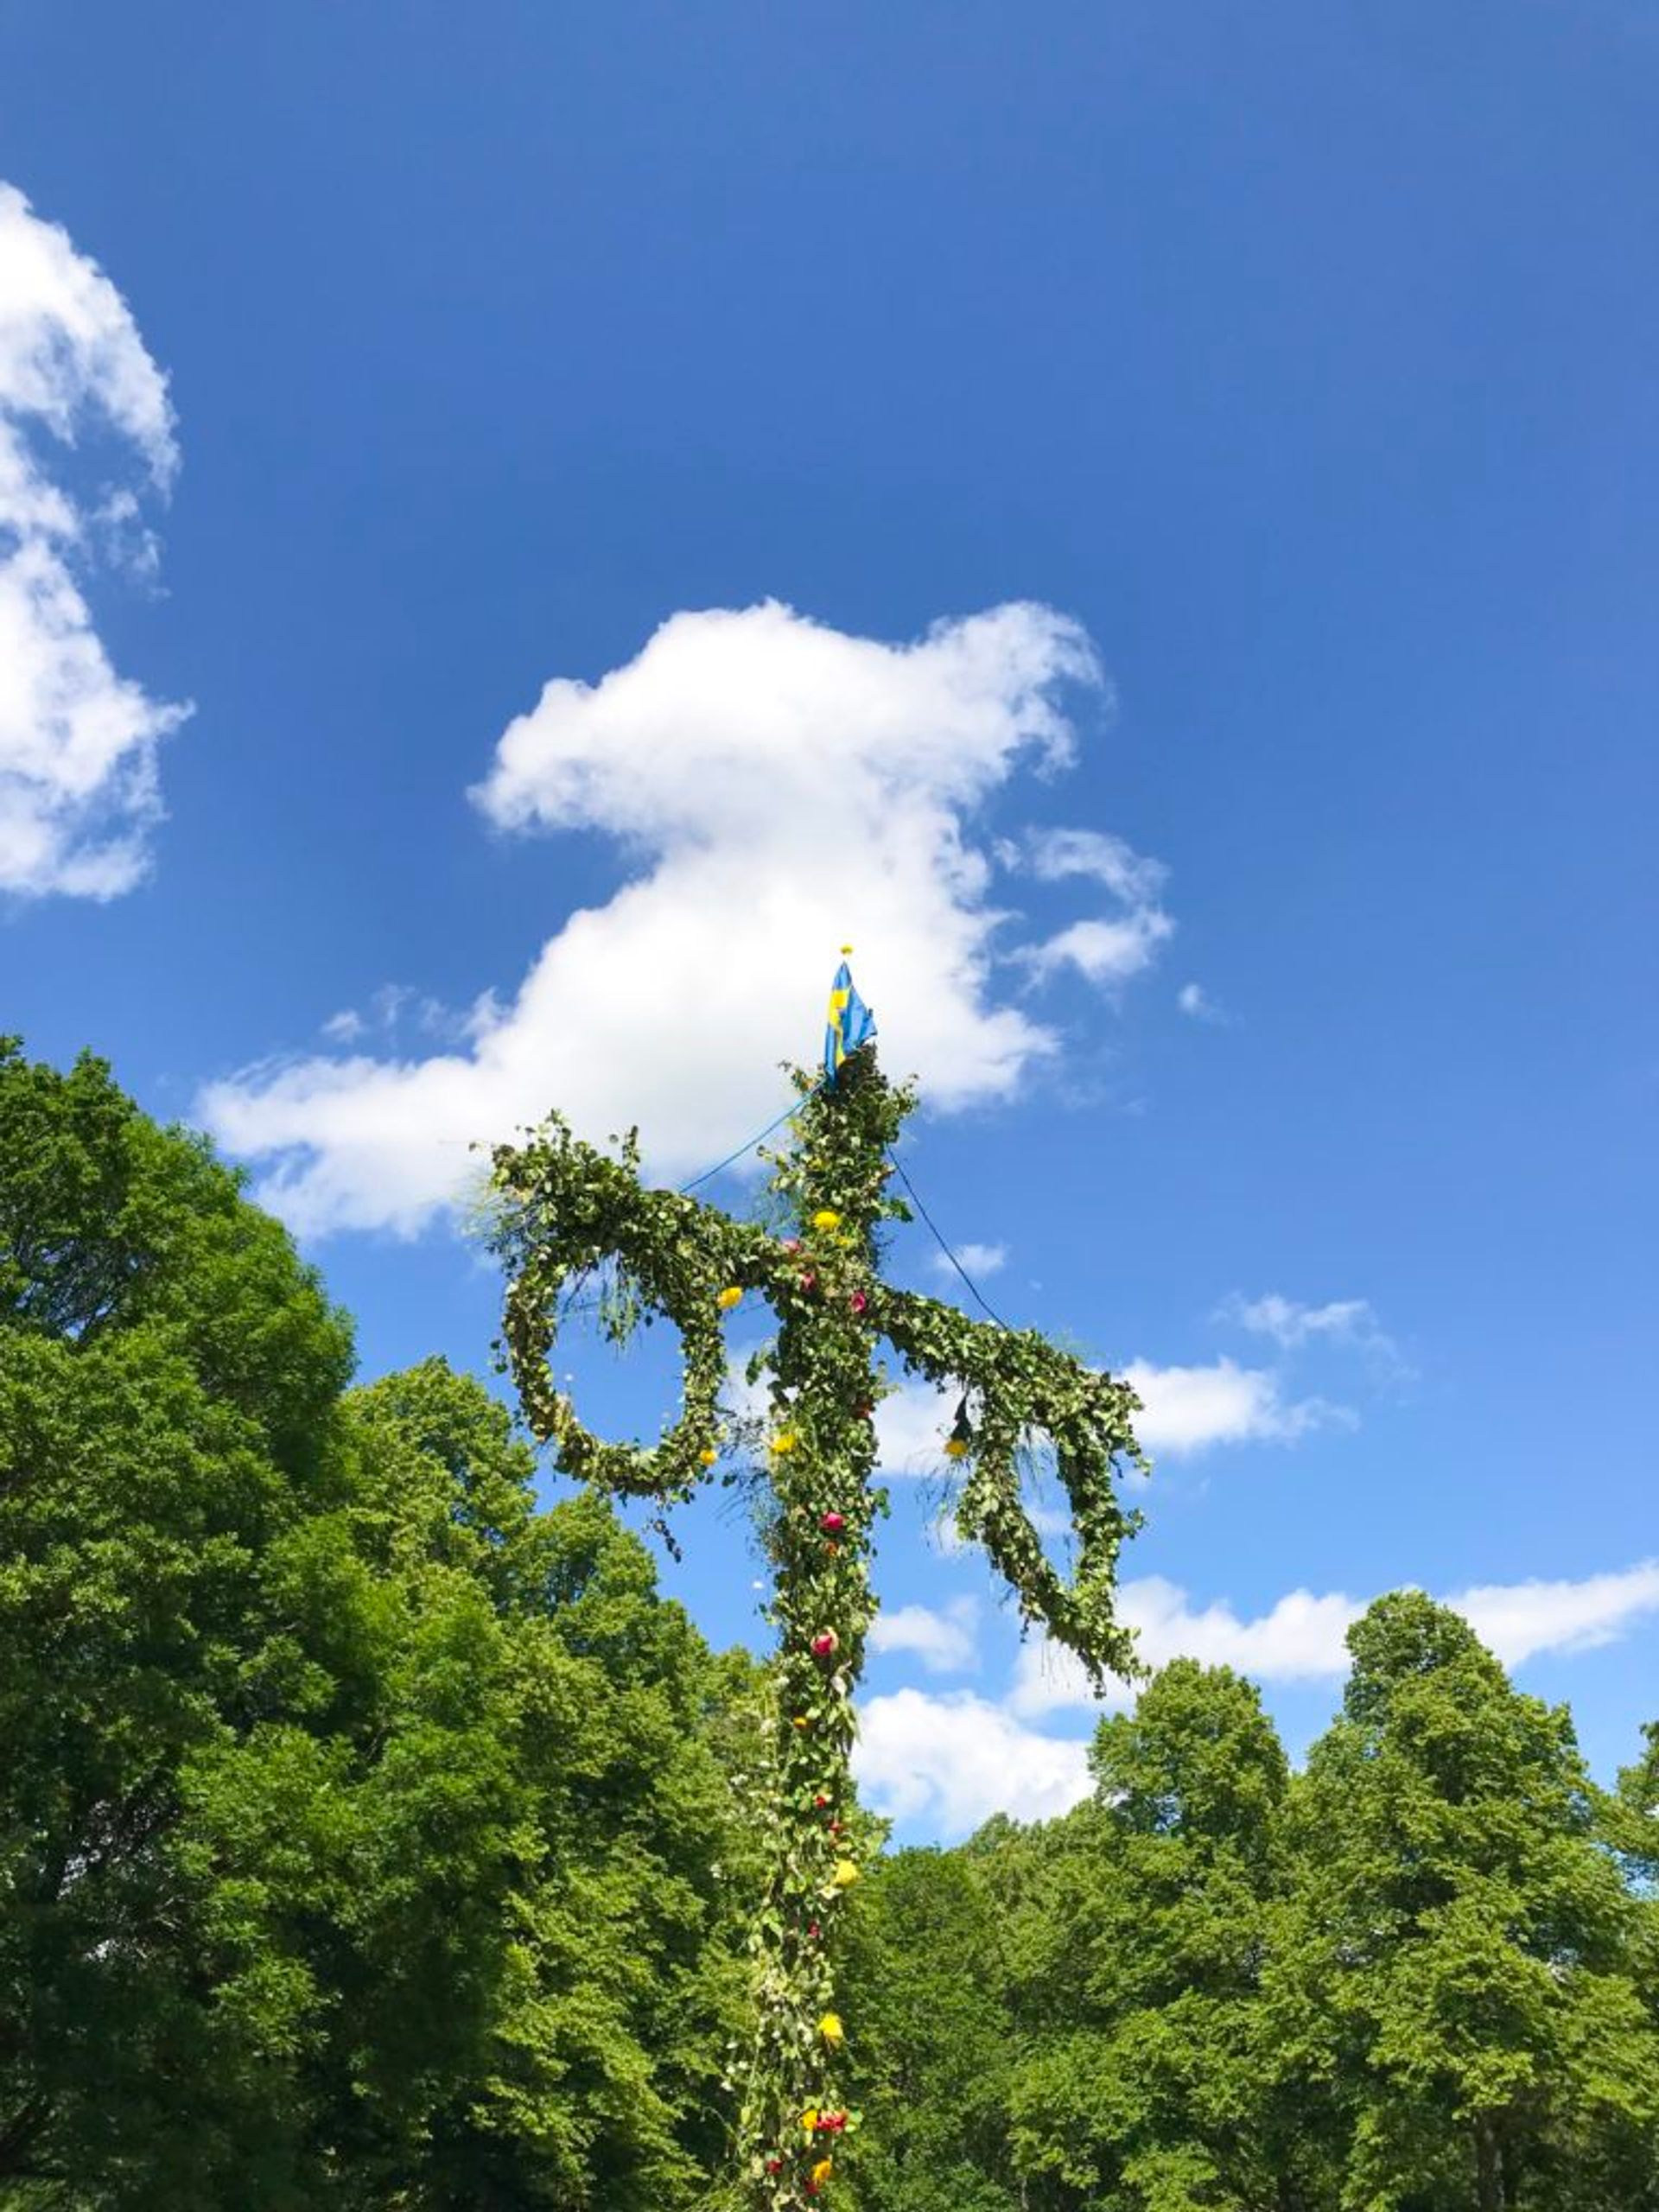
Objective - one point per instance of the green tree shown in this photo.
(168, 1379)
(1140, 1941)
(1454, 1973)
(362, 1825)
(925, 1977)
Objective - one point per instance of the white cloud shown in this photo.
(77, 743)
(1518, 1620)
(945, 1643)
(1189, 1409)
(912, 1425)
(1291, 1324)
(1192, 999)
(979, 1260)
(1051, 856)
(1103, 952)
(776, 786)
(1301, 1637)
(952, 1760)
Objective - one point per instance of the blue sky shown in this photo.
(1267, 899)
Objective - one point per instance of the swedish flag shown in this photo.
(850, 1024)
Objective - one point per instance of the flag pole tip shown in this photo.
(846, 949)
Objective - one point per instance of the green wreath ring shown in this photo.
(1022, 1388)
(568, 1209)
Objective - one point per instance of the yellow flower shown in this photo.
(822, 2171)
(843, 1878)
(826, 1217)
(830, 2029)
(810, 2119)
(708, 1456)
(786, 1441)
(956, 1449)
(732, 1295)
(803, 1720)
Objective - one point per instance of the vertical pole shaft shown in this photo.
(822, 1449)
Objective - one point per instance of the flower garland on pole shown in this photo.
(567, 1210)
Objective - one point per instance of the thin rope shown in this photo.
(939, 1240)
(708, 1173)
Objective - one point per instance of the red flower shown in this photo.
(832, 1523)
(825, 1646)
(820, 1800)
(774, 2165)
(813, 1930)
(858, 1301)
(808, 1280)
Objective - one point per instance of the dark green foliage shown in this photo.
(1145, 2086)
(372, 1839)
(1411, 1980)
(926, 1963)
(1455, 1964)
(359, 1823)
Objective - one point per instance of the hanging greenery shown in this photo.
(570, 1217)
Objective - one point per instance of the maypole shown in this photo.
(568, 1213)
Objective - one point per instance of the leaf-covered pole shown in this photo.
(568, 1210)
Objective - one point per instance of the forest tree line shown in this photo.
(373, 1837)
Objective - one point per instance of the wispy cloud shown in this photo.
(1290, 1323)
(1519, 1620)
(79, 790)
(979, 1260)
(1195, 1002)
(724, 762)
(1301, 1637)
(1108, 949)
(945, 1642)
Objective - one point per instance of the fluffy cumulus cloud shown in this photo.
(78, 742)
(773, 787)
(949, 1761)
(1301, 1637)
(1190, 1409)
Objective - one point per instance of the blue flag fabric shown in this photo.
(850, 1024)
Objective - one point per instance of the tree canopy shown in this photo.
(373, 1835)
(361, 1823)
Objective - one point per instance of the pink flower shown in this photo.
(825, 1646)
(858, 1301)
(832, 1523)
